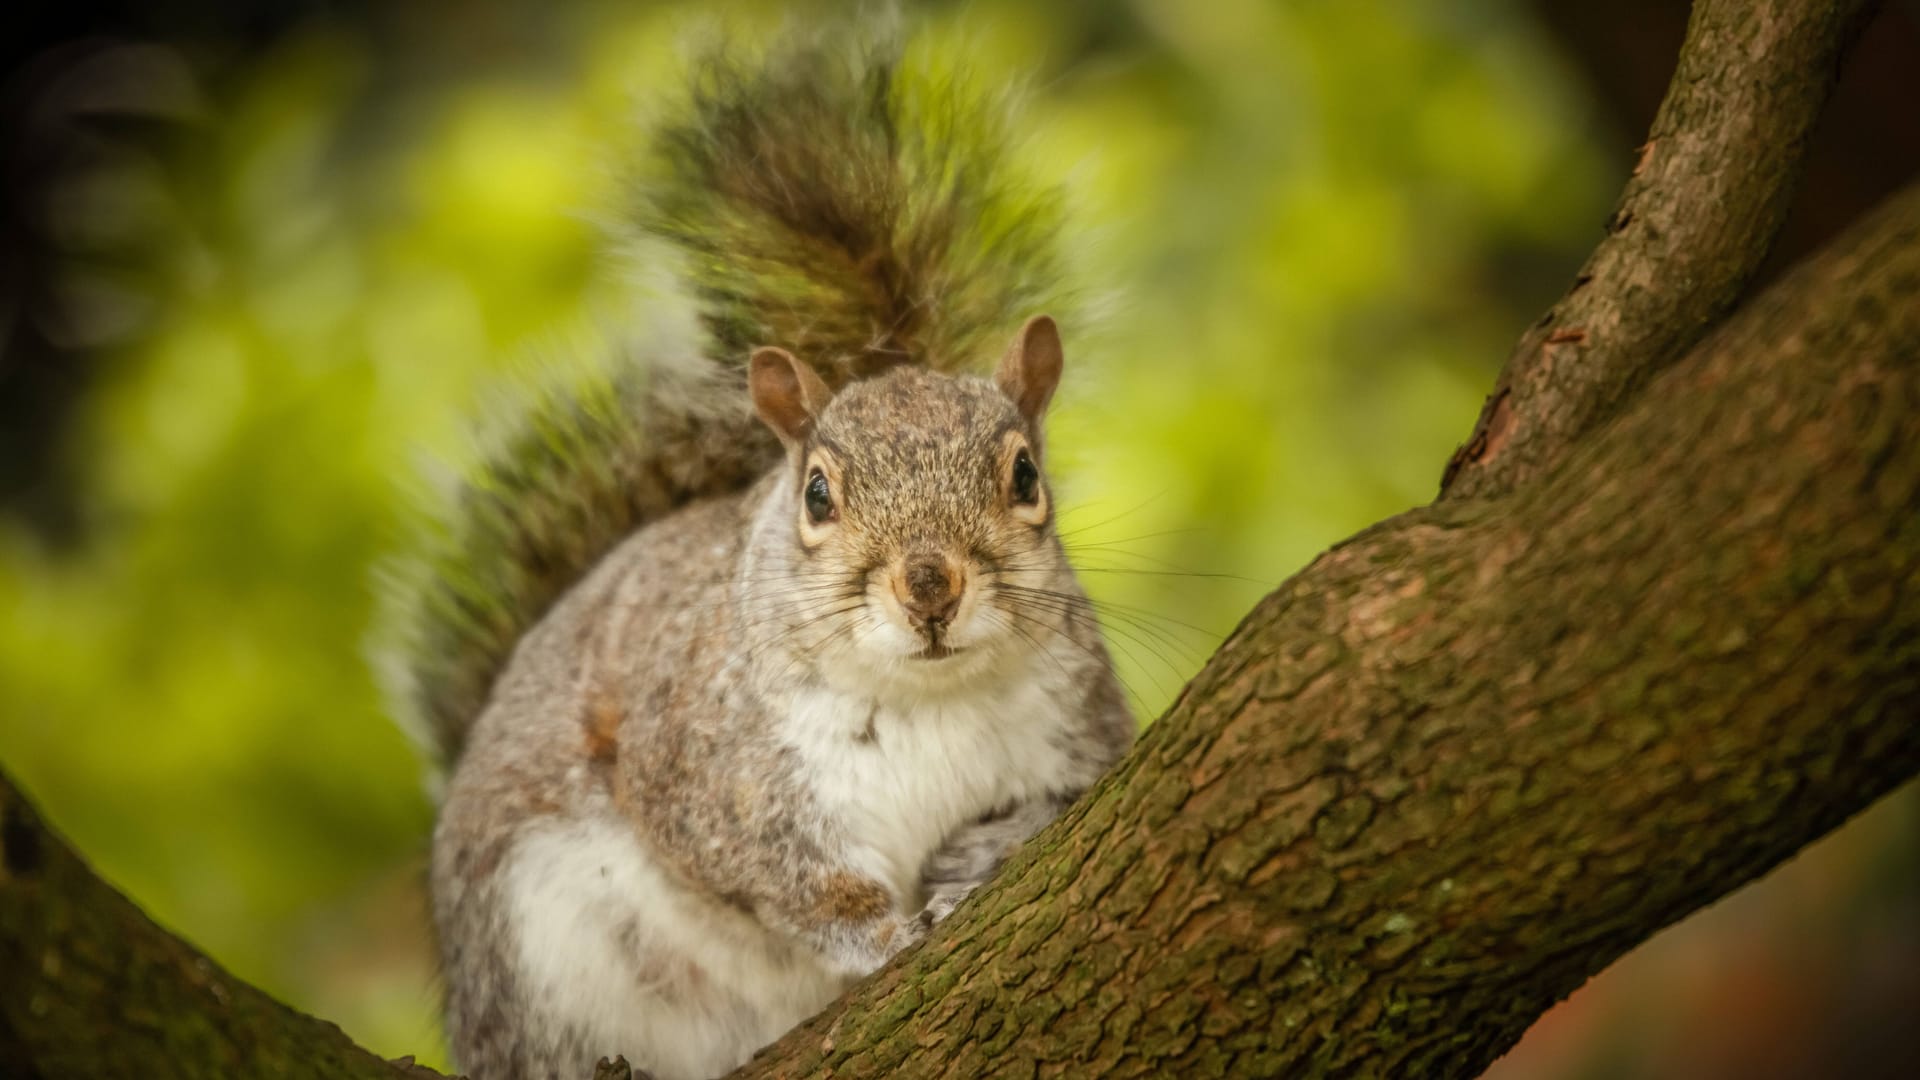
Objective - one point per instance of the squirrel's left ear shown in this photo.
(786, 393)
(1031, 368)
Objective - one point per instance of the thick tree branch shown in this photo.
(1710, 191)
(1468, 758)
(91, 987)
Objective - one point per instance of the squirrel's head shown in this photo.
(917, 502)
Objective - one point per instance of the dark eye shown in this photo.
(1026, 480)
(819, 499)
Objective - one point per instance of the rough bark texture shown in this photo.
(1440, 777)
(1471, 756)
(1865, 147)
(91, 987)
(1708, 194)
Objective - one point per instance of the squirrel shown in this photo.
(748, 673)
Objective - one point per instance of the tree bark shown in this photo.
(1660, 633)
(1706, 198)
(89, 986)
(1864, 148)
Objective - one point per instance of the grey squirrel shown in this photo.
(749, 670)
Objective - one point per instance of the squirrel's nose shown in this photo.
(930, 594)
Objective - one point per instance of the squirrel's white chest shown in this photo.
(900, 780)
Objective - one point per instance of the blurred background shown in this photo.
(262, 264)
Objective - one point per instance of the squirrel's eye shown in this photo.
(1026, 480)
(819, 499)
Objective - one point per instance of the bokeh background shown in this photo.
(261, 267)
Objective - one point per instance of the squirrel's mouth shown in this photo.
(935, 651)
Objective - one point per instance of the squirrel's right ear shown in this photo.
(1031, 369)
(786, 393)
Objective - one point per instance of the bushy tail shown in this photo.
(836, 202)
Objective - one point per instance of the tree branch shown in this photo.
(91, 987)
(1468, 758)
(1695, 221)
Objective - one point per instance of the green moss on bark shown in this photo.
(91, 987)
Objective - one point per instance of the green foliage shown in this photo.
(1314, 227)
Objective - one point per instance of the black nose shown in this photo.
(931, 597)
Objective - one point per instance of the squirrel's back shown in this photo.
(859, 211)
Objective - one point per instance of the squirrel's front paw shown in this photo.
(942, 902)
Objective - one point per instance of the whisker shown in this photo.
(1139, 701)
(1134, 509)
(1116, 608)
(1005, 619)
(1122, 632)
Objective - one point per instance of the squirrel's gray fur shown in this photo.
(835, 666)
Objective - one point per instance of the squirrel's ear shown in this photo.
(1031, 368)
(786, 393)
